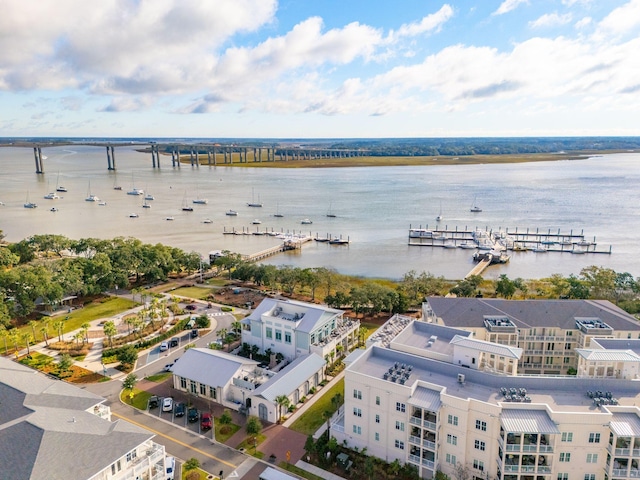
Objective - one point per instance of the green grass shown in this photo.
(371, 328)
(192, 292)
(37, 360)
(159, 377)
(312, 418)
(140, 398)
(203, 475)
(298, 471)
(223, 437)
(247, 443)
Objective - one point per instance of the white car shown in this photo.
(167, 404)
(164, 346)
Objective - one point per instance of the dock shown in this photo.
(294, 243)
(480, 267)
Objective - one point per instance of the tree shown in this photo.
(225, 418)
(110, 330)
(127, 355)
(254, 426)
(309, 444)
(130, 381)
(4, 333)
(58, 326)
(283, 402)
(85, 332)
(65, 362)
(33, 324)
(26, 338)
(222, 334)
(467, 287)
(505, 287)
(236, 327)
(369, 467)
(203, 321)
(461, 472)
(326, 416)
(43, 330)
(191, 464)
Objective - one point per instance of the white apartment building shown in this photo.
(51, 430)
(295, 328)
(549, 332)
(416, 403)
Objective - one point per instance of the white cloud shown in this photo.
(507, 5)
(583, 23)
(621, 20)
(551, 20)
(430, 23)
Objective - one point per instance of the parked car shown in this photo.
(180, 409)
(167, 404)
(206, 423)
(194, 333)
(192, 415)
(154, 401)
(170, 464)
(164, 346)
(174, 342)
(191, 307)
(168, 367)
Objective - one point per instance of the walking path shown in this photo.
(319, 394)
(317, 471)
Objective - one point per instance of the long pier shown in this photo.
(292, 244)
(480, 267)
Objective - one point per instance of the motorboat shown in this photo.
(133, 215)
(420, 233)
(306, 221)
(52, 196)
(468, 245)
(135, 191)
(53, 209)
(102, 204)
(207, 220)
(90, 196)
(169, 219)
(256, 221)
(200, 201)
(339, 241)
(231, 213)
(148, 196)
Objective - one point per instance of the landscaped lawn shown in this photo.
(203, 475)
(229, 430)
(192, 292)
(140, 398)
(312, 418)
(371, 328)
(298, 471)
(46, 364)
(158, 377)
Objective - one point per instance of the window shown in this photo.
(451, 459)
(377, 418)
(567, 437)
(212, 392)
(357, 429)
(400, 444)
(203, 389)
(357, 412)
(589, 476)
(193, 385)
(481, 425)
(377, 437)
(594, 438)
(183, 382)
(592, 458)
(563, 476)
(479, 445)
(357, 394)
(548, 361)
(278, 335)
(269, 332)
(377, 400)
(131, 455)
(287, 337)
(565, 457)
(478, 465)
(567, 360)
(401, 407)
(400, 426)
(452, 439)
(452, 420)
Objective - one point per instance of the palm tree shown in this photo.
(282, 401)
(15, 337)
(26, 338)
(222, 334)
(43, 330)
(85, 332)
(110, 330)
(33, 324)
(79, 336)
(326, 415)
(4, 333)
(58, 326)
(237, 327)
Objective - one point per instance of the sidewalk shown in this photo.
(317, 471)
(319, 394)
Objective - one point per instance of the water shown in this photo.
(373, 206)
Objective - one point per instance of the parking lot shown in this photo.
(183, 421)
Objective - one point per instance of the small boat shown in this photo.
(102, 204)
(330, 213)
(59, 188)
(134, 190)
(278, 214)
(169, 219)
(52, 196)
(253, 203)
(468, 245)
(449, 245)
(475, 208)
(185, 206)
(146, 205)
(53, 209)
(133, 215)
(231, 213)
(440, 217)
(322, 239)
(117, 187)
(91, 197)
(539, 249)
(148, 196)
(258, 232)
(256, 221)
(339, 241)
(306, 221)
(207, 220)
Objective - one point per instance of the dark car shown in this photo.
(194, 333)
(180, 409)
(174, 342)
(191, 307)
(206, 423)
(192, 415)
(154, 401)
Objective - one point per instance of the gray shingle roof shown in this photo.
(470, 312)
(210, 367)
(47, 433)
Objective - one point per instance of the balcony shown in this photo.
(414, 459)
(428, 463)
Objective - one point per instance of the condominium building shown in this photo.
(295, 328)
(440, 398)
(549, 332)
(51, 430)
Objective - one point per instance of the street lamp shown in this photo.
(255, 445)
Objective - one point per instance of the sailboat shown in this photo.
(28, 204)
(330, 214)
(253, 203)
(52, 196)
(278, 214)
(134, 190)
(115, 184)
(185, 206)
(440, 217)
(475, 208)
(59, 188)
(231, 213)
(91, 197)
(198, 200)
(148, 196)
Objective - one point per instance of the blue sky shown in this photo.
(321, 68)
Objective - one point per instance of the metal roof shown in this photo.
(625, 424)
(527, 421)
(608, 355)
(210, 367)
(313, 315)
(270, 473)
(488, 347)
(291, 377)
(425, 398)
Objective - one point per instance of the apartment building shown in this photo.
(417, 403)
(549, 332)
(295, 328)
(52, 430)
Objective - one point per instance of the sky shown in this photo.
(319, 69)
